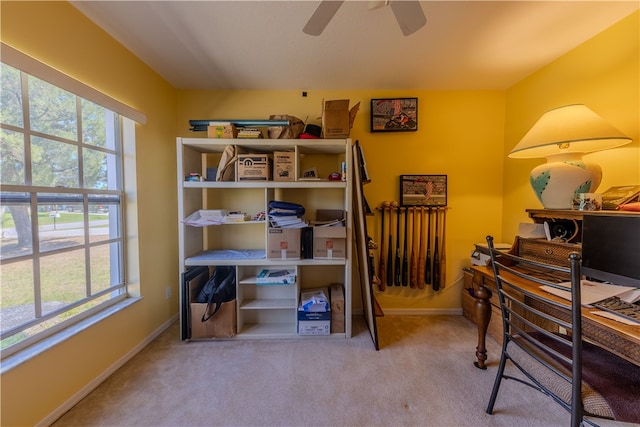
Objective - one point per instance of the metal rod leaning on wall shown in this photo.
(413, 264)
(382, 266)
(443, 252)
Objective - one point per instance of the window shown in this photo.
(62, 207)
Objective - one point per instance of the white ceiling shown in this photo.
(260, 44)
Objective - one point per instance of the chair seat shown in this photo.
(610, 384)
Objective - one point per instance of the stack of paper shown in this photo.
(314, 300)
(286, 222)
(276, 277)
(203, 217)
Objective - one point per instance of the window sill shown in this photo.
(47, 343)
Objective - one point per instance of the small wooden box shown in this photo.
(222, 131)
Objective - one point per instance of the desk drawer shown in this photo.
(544, 251)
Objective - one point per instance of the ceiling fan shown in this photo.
(408, 14)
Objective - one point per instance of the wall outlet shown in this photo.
(167, 292)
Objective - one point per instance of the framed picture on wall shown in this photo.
(423, 190)
(394, 114)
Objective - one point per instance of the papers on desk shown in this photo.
(596, 294)
(613, 316)
(592, 292)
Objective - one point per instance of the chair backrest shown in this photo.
(545, 327)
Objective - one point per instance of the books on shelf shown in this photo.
(236, 217)
(249, 132)
(276, 276)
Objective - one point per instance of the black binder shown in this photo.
(306, 242)
(192, 273)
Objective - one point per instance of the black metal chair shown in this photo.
(585, 379)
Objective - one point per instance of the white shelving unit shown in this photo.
(263, 311)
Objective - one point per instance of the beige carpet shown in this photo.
(423, 375)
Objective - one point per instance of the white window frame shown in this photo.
(22, 351)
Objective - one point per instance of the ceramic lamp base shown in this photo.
(557, 182)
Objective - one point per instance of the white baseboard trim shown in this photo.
(82, 393)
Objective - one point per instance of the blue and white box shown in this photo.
(314, 322)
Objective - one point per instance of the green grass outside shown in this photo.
(44, 218)
(62, 275)
(63, 280)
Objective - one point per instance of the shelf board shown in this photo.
(191, 262)
(265, 184)
(226, 223)
(269, 330)
(279, 330)
(571, 214)
(269, 304)
(319, 146)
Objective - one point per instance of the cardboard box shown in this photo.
(222, 325)
(254, 167)
(314, 323)
(284, 165)
(283, 243)
(337, 119)
(329, 242)
(222, 131)
(336, 292)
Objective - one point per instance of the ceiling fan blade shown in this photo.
(376, 4)
(409, 15)
(321, 17)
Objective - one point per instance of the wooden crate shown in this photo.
(544, 251)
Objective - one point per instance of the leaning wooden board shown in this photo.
(360, 228)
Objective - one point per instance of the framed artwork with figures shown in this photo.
(394, 114)
(423, 190)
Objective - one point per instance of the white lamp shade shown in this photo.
(562, 135)
(569, 129)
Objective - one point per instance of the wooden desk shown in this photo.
(618, 338)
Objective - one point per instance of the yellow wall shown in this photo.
(69, 42)
(464, 135)
(459, 134)
(604, 74)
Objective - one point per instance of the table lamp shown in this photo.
(562, 136)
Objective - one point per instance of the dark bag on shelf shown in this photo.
(220, 288)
